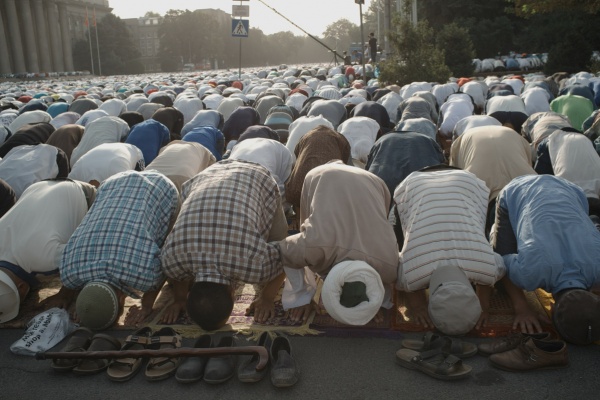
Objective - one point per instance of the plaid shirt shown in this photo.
(119, 239)
(221, 232)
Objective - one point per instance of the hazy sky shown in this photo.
(311, 15)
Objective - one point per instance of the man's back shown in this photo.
(120, 237)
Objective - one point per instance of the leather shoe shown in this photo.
(220, 369)
(509, 342)
(192, 368)
(532, 354)
(247, 371)
(283, 372)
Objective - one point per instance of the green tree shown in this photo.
(565, 57)
(457, 46)
(118, 53)
(416, 57)
(339, 34)
(531, 7)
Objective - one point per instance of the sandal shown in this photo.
(447, 345)
(159, 368)
(123, 369)
(100, 342)
(434, 363)
(78, 341)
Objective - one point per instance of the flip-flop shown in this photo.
(77, 341)
(434, 363)
(100, 342)
(448, 345)
(160, 368)
(123, 369)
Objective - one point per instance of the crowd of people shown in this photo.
(444, 191)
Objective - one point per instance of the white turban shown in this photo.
(352, 271)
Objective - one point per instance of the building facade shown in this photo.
(144, 31)
(37, 36)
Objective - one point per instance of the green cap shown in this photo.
(353, 293)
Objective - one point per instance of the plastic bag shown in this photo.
(44, 331)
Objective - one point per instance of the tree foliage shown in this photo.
(565, 57)
(457, 46)
(528, 8)
(118, 53)
(340, 34)
(416, 57)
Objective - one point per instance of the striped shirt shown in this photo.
(221, 232)
(443, 217)
(119, 239)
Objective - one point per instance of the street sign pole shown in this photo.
(362, 40)
(240, 27)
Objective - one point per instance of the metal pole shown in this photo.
(240, 69)
(362, 40)
(97, 44)
(87, 21)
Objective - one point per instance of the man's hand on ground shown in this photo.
(263, 310)
(302, 313)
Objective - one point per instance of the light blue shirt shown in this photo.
(558, 245)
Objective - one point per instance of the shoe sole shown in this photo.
(217, 381)
(549, 367)
(191, 380)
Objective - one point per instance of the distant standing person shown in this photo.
(373, 47)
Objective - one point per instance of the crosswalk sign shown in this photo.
(239, 27)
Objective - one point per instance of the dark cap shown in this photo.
(576, 316)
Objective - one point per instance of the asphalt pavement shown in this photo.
(330, 368)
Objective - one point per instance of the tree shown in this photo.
(416, 58)
(340, 34)
(457, 46)
(118, 53)
(151, 14)
(565, 57)
(527, 8)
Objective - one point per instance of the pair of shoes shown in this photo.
(123, 369)
(447, 345)
(159, 368)
(77, 341)
(509, 342)
(283, 366)
(99, 342)
(434, 363)
(192, 369)
(247, 372)
(533, 354)
(220, 369)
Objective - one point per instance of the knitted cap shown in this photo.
(97, 306)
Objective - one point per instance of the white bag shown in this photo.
(44, 331)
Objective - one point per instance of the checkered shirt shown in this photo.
(221, 232)
(119, 239)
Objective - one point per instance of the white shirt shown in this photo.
(536, 100)
(25, 165)
(511, 103)
(301, 127)
(37, 228)
(453, 110)
(102, 130)
(443, 217)
(361, 133)
(105, 160)
(269, 153)
(574, 158)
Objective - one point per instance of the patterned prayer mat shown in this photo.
(395, 322)
(501, 314)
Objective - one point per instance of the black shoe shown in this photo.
(283, 371)
(192, 368)
(247, 371)
(220, 369)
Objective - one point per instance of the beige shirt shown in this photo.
(343, 210)
(495, 154)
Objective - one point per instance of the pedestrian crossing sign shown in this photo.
(239, 27)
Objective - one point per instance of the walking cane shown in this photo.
(180, 352)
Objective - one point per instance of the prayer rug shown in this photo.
(238, 322)
(500, 319)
